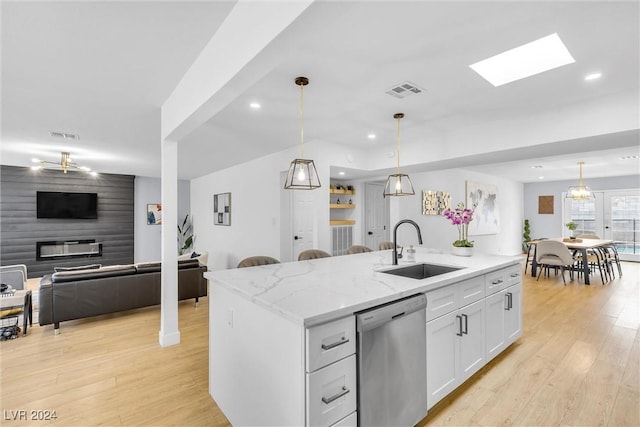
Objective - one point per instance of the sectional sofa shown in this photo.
(79, 294)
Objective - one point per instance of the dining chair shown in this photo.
(313, 254)
(530, 253)
(257, 260)
(550, 253)
(358, 249)
(611, 255)
(606, 255)
(385, 245)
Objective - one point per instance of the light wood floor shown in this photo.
(577, 364)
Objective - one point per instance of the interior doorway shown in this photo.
(376, 215)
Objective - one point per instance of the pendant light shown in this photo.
(398, 184)
(580, 191)
(302, 173)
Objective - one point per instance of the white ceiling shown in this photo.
(103, 70)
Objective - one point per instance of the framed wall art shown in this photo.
(486, 217)
(435, 202)
(154, 214)
(222, 209)
(545, 204)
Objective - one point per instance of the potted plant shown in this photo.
(571, 226)
(461, 216)
(526, 236)
(185, 236)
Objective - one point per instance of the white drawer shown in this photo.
(331, 392)
(514, 275)
(470, 291)
(502, 279)
(349, 421)
(441, 301)
(496, 281)
(330, 342)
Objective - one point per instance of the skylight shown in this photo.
(523, 61)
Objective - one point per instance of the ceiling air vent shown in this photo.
(404, 89)
(64, 135)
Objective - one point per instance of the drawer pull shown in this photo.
(496, 282)
(343, 340)
(515, 274)
(338, 395)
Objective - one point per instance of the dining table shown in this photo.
(581, 245)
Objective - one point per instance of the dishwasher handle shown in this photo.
(375, 317)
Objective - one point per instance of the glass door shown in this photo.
(622, 222)
(613, 215)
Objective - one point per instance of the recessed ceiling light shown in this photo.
(341, 173)
(592, 76)
(536, 167)
(630, 157)
(371, 136)
(523, 61)
(541, 177)
(255, 105)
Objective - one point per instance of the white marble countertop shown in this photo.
(320, 290)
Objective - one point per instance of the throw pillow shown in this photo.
(80, 267)
(195, 255)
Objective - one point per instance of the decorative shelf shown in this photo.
(342, 222)
(334, 191)
(342, 206)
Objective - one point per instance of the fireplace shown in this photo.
(68, 249)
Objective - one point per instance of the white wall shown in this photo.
(256, 203)
(147, 239)
(551, 225)
(439, 233)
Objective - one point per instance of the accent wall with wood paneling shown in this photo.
(20, 229)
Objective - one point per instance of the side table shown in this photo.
(11, 306)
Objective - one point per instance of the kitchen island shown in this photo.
(282, 337)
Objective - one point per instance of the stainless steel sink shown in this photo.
(421, 271)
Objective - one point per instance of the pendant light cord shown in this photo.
(302, 121)
(398, 145)
(581, 163)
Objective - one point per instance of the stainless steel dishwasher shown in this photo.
(392, 363)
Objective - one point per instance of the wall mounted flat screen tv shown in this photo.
(52, 204)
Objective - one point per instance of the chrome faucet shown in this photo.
(395, 237)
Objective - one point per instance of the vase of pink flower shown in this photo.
(461, 216)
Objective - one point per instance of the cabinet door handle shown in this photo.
(466, 324)
(459, 325)
(509, 296)
(338, 395)
(506, 301)
(343, 340)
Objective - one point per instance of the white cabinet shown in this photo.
(443, 372)
(513, 316)
(331, 395)
(472, 339)
(455, 336)
(469, 323)
(504, 313)
(331, 392)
